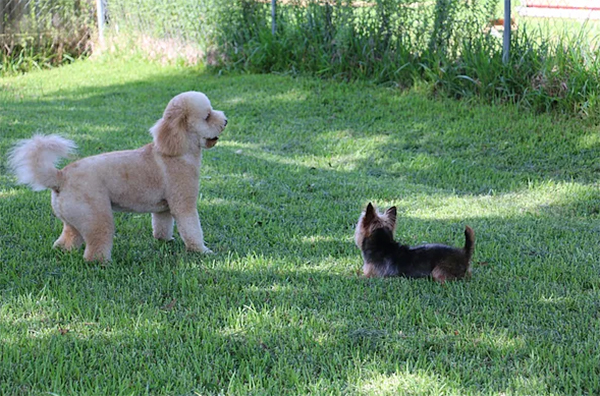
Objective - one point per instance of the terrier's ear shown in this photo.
(391, 215)
(171, 130)
(370, 213)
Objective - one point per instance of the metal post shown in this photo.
(273, 6)
(101, 20)
(507, 26)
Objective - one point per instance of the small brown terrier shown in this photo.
(382, 256)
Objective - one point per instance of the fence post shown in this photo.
(100, 11)
(273, 6)
(506, 39)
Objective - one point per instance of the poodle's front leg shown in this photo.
(162, 225)
(188, 224)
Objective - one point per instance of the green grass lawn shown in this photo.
(281, 307)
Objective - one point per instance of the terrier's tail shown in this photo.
(469, 242)
(33, 160)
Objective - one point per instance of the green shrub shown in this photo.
(44, 33)
(445, 43)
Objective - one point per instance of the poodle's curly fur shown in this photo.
(160, 177)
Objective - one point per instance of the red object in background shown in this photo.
(564, 4)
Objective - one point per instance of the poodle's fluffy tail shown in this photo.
(33, 160)
(469, 242)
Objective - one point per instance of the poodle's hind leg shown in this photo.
(85, 216)
(69, 239)
(162, 225)
(99, 237)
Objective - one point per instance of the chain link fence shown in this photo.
(162, 29)
(39, 17)
(183, 24)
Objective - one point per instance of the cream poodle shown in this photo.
(160, 178)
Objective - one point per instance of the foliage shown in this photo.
(445, 43)
(400, 42)
(44, 33)
(383, 41)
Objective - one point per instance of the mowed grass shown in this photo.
(281, 308)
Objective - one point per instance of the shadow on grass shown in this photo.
(265, 308)
(284, 328)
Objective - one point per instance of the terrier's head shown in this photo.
(370, 221)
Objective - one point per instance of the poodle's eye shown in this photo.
(207, 117)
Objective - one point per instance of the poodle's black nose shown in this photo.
(225, 122)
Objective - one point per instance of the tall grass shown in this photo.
(561, 76)
(445, 43)
(44, 33)
(382, 41)
(27, 55)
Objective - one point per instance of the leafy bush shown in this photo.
(44, 33)
(383, 41)
(445, 43)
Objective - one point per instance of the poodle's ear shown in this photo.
(171, 130)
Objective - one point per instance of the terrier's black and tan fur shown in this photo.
(382, 256)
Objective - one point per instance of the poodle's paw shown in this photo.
(206, 250)
(166, 238)
(201, 249)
